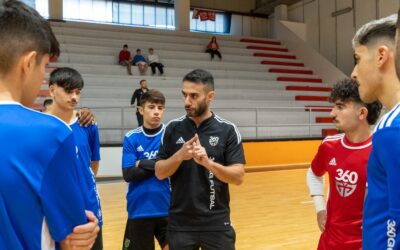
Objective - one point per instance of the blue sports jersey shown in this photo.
(40, 198)
(88, 146)
(381, 217)
(147, 198)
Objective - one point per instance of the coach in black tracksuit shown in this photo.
(136, 97)
(202, 153)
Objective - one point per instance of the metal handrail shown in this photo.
(255, 110)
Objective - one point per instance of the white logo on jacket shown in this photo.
(213, 140)
(180, 141)
(140, 148)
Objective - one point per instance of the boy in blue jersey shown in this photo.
(375, 72)
(65, 87)
(40, 200)
(147, 198)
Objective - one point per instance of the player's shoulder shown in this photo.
(45, 123)
(389, 121)
(332, 140)
(134, 132)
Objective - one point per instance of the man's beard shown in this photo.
(200, 110)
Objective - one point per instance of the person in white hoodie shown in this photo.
(154, 61)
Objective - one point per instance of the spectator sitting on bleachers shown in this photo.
(154, 61)
(213, 48)
(125, 58)
(140, 61)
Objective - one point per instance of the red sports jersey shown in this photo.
(346, 164)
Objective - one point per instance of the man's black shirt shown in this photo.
(200, 201)
(136, 96)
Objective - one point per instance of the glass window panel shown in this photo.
(125, 13)
(108, 15)
(219, 23)
(85, 10)
(210, 26)
(42, 6)
(69, 9)
(161, 17)
(170, 18)
(149, 15)
(137, 14)
(201, 26)
(115, 12)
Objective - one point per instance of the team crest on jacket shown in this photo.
(214, 140)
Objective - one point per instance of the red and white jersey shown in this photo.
(346, 164)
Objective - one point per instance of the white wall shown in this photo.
(288, 33)
(331, 36)
(249, 26)
(110, 164)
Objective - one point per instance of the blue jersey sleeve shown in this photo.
(390, 160)
(62, 200)
(94, 143)
(129, 156)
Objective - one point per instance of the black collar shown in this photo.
(152, 131)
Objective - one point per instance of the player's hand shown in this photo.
(86, 117)
(200, 154)
(321, 219)
(186, 151)
(84, 236)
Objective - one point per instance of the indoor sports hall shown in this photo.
(280, 61)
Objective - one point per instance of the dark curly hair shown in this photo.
(346, 90)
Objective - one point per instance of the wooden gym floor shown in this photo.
(270, 210)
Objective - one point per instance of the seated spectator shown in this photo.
(154, 61)
(140, 61)
(125, 58)
(213, 48)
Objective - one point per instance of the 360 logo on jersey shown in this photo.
(346, 182)
(150, 155)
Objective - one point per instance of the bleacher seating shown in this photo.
(257, 82)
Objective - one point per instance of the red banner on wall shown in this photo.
(204, 14)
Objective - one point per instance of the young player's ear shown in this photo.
(141, 111)
(28, 62)
(382, 56)
(52, 89)
(363, 113)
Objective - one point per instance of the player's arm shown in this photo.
(130, 164)
(389, 157)
(94, 165)
(61, 196)
(94, 143)
(86, 117)
(142, 170)
(316, 186)
(83, 236)
(233, 172)
(167, 167)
